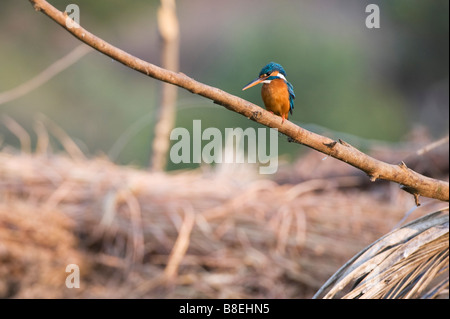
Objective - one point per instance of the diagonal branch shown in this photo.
(409, 180)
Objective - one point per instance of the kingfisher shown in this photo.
(277, 93)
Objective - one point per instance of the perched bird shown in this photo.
(277, 93)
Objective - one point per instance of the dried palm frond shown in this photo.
(409, 262)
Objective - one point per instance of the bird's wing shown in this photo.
(291, 96)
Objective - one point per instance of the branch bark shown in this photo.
(409, 180)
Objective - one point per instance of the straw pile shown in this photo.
(219, 232)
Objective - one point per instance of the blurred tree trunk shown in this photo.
(169, 32)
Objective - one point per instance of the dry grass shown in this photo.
(209, 233)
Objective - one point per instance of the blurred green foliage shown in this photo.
(373, 84)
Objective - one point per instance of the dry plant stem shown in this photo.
(57, 67)
(169, 32)
(19, 131)
(411, 181)
(181, 246)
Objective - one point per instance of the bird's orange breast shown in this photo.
(275, 96)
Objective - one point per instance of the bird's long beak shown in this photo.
(254, 82)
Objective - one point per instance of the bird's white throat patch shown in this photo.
(279, 75)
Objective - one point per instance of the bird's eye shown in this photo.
(268, 73)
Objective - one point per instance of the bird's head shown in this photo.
(268, 73)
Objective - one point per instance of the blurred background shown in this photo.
(350, 81)
(226, 232)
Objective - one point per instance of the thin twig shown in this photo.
(46, 75)
(432, 146)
